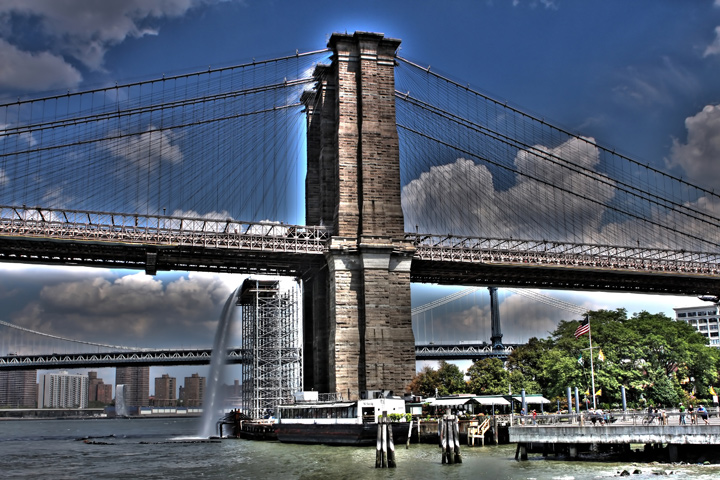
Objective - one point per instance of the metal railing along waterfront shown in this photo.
(449, 248)
(129, 228)
(616, 418)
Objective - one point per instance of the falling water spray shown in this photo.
(213, 401)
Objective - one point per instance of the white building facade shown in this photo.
(63, 390)
(705, 320)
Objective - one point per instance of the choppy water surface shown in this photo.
(163, 449)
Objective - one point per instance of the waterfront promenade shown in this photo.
(555, 433)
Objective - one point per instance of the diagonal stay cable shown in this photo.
(591, 174)
(564, 190)
(160, 129)
(164, 78)
(75, 121)
(543, 122)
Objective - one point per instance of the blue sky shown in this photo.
(639, 77)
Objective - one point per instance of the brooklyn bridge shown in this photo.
(354, 170)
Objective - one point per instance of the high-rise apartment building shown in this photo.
(137, 385)
(705, 320)
(165, 388)
(194, 390)
(62, 390)
(18, 389)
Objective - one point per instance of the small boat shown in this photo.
(338, 422)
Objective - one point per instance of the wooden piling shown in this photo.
(449, 440)
(456, 450)
(449, 430)
(442, 433)
(407, 445)
(390, 444)
(379, 448)
(496, 433)
(385, 447)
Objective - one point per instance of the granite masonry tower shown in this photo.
(357, 319)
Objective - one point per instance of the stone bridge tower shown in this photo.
(358, 331)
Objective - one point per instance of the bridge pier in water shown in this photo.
(358, 329)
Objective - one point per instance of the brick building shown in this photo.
(98, 391)
(137, 385)
(165, 388)
(194, 391)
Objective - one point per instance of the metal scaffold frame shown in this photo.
(272, 343)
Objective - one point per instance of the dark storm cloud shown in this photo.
(129, 309)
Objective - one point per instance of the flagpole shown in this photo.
(592, 368)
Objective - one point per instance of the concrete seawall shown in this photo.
(622, 434)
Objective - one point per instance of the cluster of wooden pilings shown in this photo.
(449, 431)
(385, 452)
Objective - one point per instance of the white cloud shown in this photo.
(654, 84)
(23, 70)
(85, 29)
(461, 198)
(700, 156)
(548, 4)
(714, 47)
(146, 149)
(75, 30)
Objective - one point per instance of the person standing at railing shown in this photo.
(693, 418)
(703, 414)
(681, 408)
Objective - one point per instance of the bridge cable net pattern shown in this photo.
(483, 176)
(219, 144)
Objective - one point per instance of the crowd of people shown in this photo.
(659, 415)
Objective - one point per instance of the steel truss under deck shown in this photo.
(272, 342)
(155, 243)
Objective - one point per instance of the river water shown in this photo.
(164, 449)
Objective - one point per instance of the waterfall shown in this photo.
(213, 401)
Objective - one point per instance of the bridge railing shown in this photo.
(514, 251)
(474, 350)
(145, 356)
(61, 224)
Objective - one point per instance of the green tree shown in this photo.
(650, 354)
(488, 377)
(451, 380)
(425, 382)
(527, 359)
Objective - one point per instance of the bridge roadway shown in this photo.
(153, 243)
(173, 357)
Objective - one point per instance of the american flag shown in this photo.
(583, 328)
